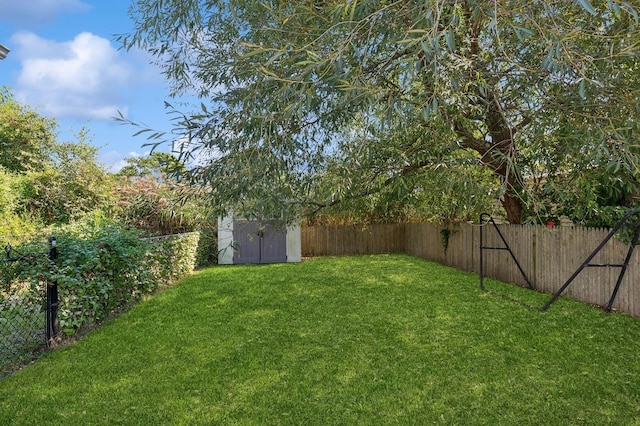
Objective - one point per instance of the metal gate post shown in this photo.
(587, 263)
(485, 219)
(481, 253)
(625, 265)
(52, 298)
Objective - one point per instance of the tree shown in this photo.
(528, 88)
(49, 181)
(156, 164)
(26, 137)
(12, 226)
(71, 183)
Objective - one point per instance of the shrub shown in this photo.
(95, 274)
(102, 266)
(12, 226)
(171, 257)
(207, 253)
(159, 208)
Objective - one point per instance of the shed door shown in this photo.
(273, 247)
(259, 242)
(246, 242)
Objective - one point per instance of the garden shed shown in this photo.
(257, 241)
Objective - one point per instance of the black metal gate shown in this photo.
(630, 222)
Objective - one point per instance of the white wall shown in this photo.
(225, 240)
(294, 243)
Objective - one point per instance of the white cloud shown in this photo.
(38, 12)
(115, 160)
(85, 78)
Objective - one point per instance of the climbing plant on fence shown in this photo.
(101, 267)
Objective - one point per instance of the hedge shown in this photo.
(103, 266)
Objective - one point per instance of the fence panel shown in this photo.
(22, 324)
(549, 256)
(329, 240)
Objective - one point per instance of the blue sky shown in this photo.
(65, 63)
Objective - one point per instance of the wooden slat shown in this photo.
(549, 256)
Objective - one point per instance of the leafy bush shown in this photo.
(11, 224)
(159, 208)
(102, 266)
(171, 257)
(207, 253)
(71, 185)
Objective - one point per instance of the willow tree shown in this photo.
(516, 87)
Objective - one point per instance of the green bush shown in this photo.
(156, 206)
(171, 257)
(101, 267)
(207, 253)
(12, 226)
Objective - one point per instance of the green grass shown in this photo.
(349, 341)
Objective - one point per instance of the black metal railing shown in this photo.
(486, 219)
(631, 222)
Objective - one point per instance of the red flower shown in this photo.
(551, 224)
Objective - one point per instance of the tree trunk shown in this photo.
(501, 157)
(512, 207)
(498, 157)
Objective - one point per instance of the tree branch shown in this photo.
(405, 171)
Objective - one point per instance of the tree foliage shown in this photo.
(159, 208)
(12, 223)
(527, 89)
(71, 183)
(26, 137)
(151, 196)
(158, 164)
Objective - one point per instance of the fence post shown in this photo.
(52, 298)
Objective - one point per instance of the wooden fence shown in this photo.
(549, 256)
(351, 240)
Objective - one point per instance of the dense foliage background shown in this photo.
(108, 226)
(379, 110)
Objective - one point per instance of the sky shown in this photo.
(64, 62)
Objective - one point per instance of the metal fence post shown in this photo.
(52, 298)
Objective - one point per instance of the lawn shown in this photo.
(339, 341)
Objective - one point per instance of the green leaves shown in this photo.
(586, 5)
(103, 266)
(519, 83)
(26, 137)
